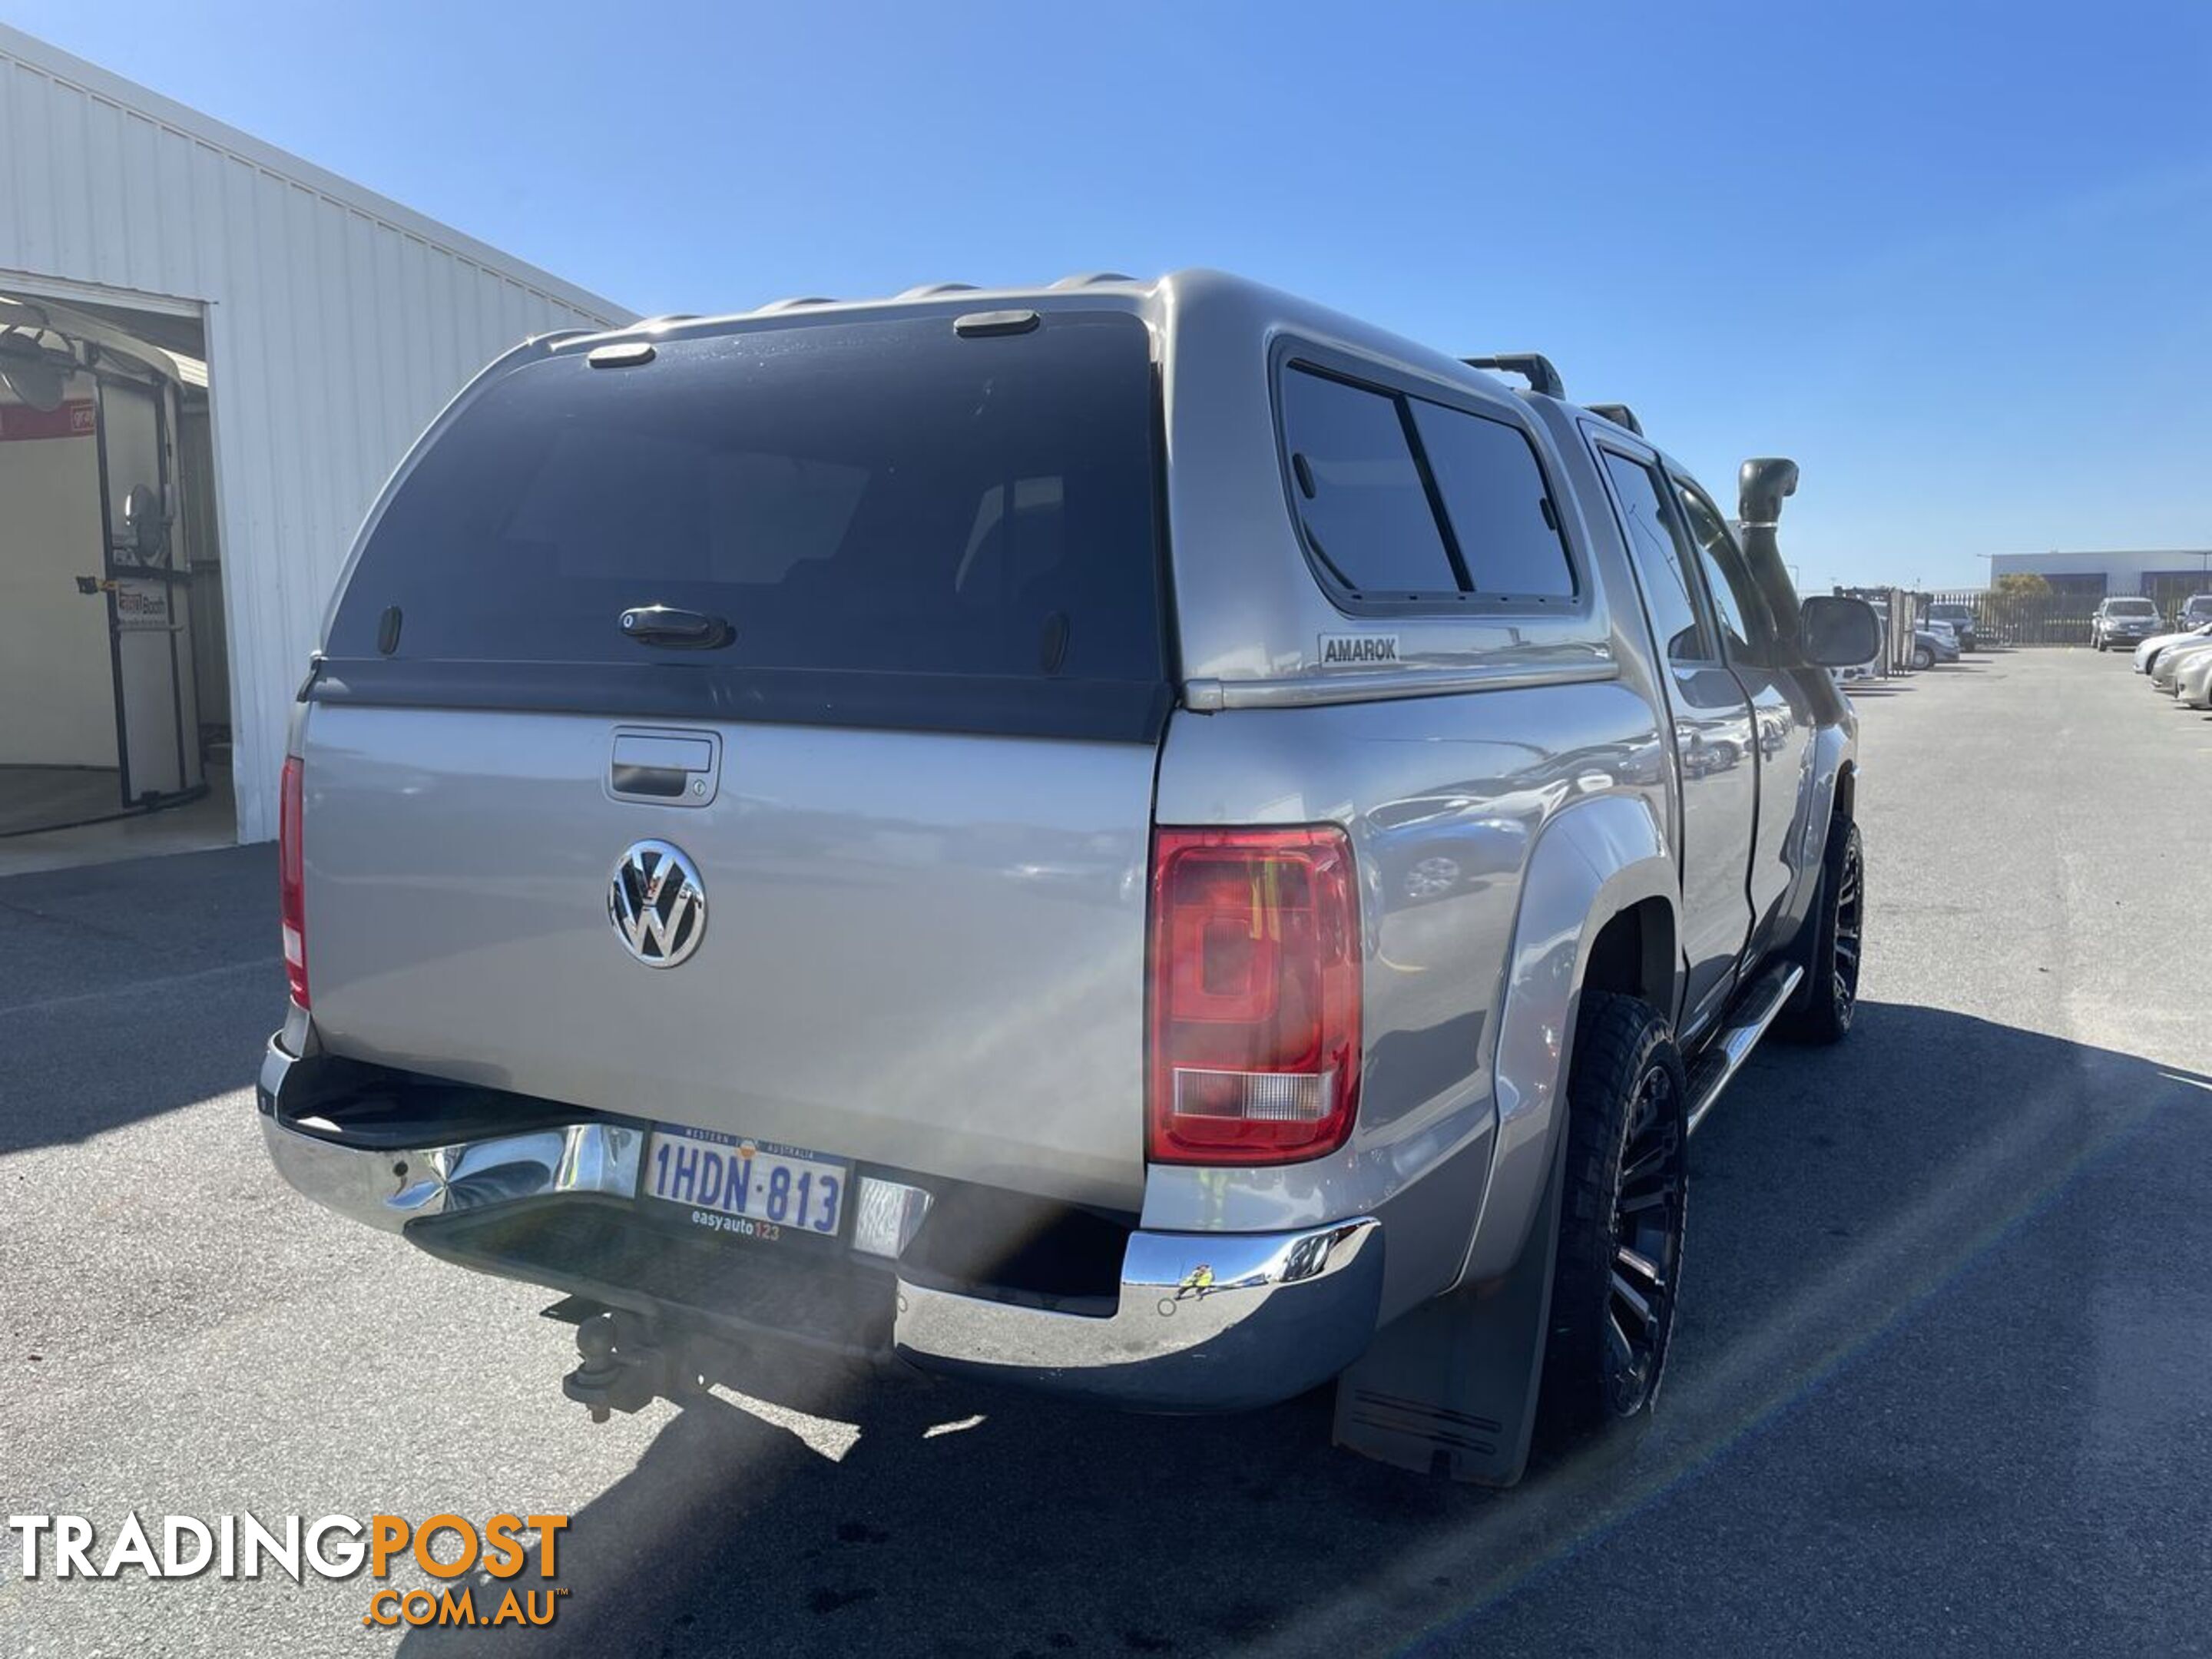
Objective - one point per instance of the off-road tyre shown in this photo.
(1621, 1216)
(1828, 1000)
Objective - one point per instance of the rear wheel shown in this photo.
(1923, 657)
(1823, 1009)
(1621, 1221)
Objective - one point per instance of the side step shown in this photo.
(1753, 1011)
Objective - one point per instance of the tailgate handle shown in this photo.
(678, 768)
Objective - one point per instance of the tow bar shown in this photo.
(625, 1366)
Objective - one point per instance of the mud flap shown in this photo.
(1450, 1389)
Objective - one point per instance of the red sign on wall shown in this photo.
(19, 422)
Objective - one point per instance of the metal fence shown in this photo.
(2058, 618)
(2000, 619)
(2007, 619)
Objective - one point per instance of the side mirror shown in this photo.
(1762, 484)
(1837, 633)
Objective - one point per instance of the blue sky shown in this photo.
(1957, 260)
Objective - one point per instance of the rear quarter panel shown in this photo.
(1444, 790)
(1444, 799)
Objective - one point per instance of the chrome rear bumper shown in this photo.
(388, 1187)
(1202, 1322)
(1206, 1321)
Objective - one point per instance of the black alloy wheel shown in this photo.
(1835, 937)
(1849, 930)
(1647, 1243)
(1622, 1218)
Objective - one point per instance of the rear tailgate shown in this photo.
(921, 829)
(922, 950)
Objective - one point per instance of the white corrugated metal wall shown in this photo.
(337, 324)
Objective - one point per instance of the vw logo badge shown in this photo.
(656, 904)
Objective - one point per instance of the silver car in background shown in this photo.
(1961, 620)
(2123, 622)
(1934, 643)
(2167, 664)
(2147, 654)
(2192, 681)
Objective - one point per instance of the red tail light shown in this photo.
(1255, 963)
(289, 875)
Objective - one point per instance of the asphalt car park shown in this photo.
(1939, 1380)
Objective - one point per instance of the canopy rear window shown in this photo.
(900, 524)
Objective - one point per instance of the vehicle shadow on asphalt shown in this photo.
(133, 988)
(1837, 1191)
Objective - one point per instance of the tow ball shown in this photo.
(625, 1365)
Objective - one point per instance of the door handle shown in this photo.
(674, 768)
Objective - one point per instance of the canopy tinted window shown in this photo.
(1494, 495)
(1361, 498)
(884, 498)
(1403, 499)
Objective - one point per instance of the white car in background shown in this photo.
(2192, 684)
(2171, 662)
(2146, 653)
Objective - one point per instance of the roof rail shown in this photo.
(1532, 366)
(931, 290)
(1618, 414)
(1092, 278)
(794, 304)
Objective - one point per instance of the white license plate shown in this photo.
(752, 1189)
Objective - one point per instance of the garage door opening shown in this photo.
(113, 669)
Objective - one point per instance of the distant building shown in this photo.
(2168, 575)
(211, 356)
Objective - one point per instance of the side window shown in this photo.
(1737, 600)
(1662, 556)
(1493, 493)
(1360, 496)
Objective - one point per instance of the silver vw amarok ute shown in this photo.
(1142, 840)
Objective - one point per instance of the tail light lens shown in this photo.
(290, 871)
(1255, 963)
